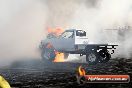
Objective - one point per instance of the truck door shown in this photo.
(66, 41)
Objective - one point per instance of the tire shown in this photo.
(92, 57)
(104, 56)
(48, 54)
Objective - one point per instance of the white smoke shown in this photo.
(21, 28)
(107, 14)
(23, 23)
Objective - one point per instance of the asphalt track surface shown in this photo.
(38, 74)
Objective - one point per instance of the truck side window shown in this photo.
(67, 34)
(80, 33)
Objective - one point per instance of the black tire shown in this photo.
(48, 54)
(92, 58)
(104, 56)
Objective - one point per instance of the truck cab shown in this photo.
(71, 38)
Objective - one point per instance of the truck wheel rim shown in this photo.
(92, 57)
(103, 56)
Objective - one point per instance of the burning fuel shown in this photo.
(55, 31)
(59, 57)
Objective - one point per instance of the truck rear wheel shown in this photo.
(104, 56)
(92, 58)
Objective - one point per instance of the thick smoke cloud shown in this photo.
(23, 23)
(106, 14)
(21, 29)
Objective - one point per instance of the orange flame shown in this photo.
(81, 71)
(56, 31)
(59, 57)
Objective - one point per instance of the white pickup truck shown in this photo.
(74, 41)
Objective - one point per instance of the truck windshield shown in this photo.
(80, 33)
(67, 34)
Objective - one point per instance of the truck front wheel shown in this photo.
(92, 58)
(48, 53)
